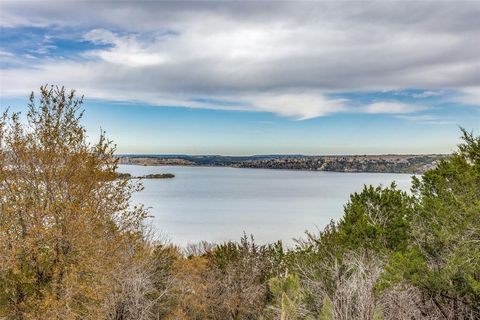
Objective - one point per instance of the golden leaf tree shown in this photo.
(66, 225)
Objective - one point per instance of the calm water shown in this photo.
(218, 203)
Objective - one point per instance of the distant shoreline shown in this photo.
(273, 169)
(410, 164)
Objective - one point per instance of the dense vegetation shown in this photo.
(71, 247)
(360, 163)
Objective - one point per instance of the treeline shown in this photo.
(71, 246)
(383, 163)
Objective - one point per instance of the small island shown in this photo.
(159, 176)
(148, 176)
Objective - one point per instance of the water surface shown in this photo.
(219, 203)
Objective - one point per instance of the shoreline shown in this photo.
(272, 169)
(408, 164)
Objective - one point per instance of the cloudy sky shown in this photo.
(252, 77)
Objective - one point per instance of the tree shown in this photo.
(287, 297)
(377, 219)
(342, 264)
(443, 259)
(237, 275)
(66, 226)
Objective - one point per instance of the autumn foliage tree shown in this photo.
(66, 226)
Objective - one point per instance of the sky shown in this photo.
(253, 77)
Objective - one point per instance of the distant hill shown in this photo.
(342, 163)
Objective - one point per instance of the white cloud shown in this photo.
(470, 96)
(5, 54)
(126, 50)
(299, 105)
(393, 108)
(425, 118)
(281, 57)
(427, 94)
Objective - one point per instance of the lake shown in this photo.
(219, 203)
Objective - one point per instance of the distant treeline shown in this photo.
(348, 163)
(73, 247)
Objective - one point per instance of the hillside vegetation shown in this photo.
(348, 163)
(71, 246)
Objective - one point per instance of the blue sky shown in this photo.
(253, 78)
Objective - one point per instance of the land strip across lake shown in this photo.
(389, 163)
